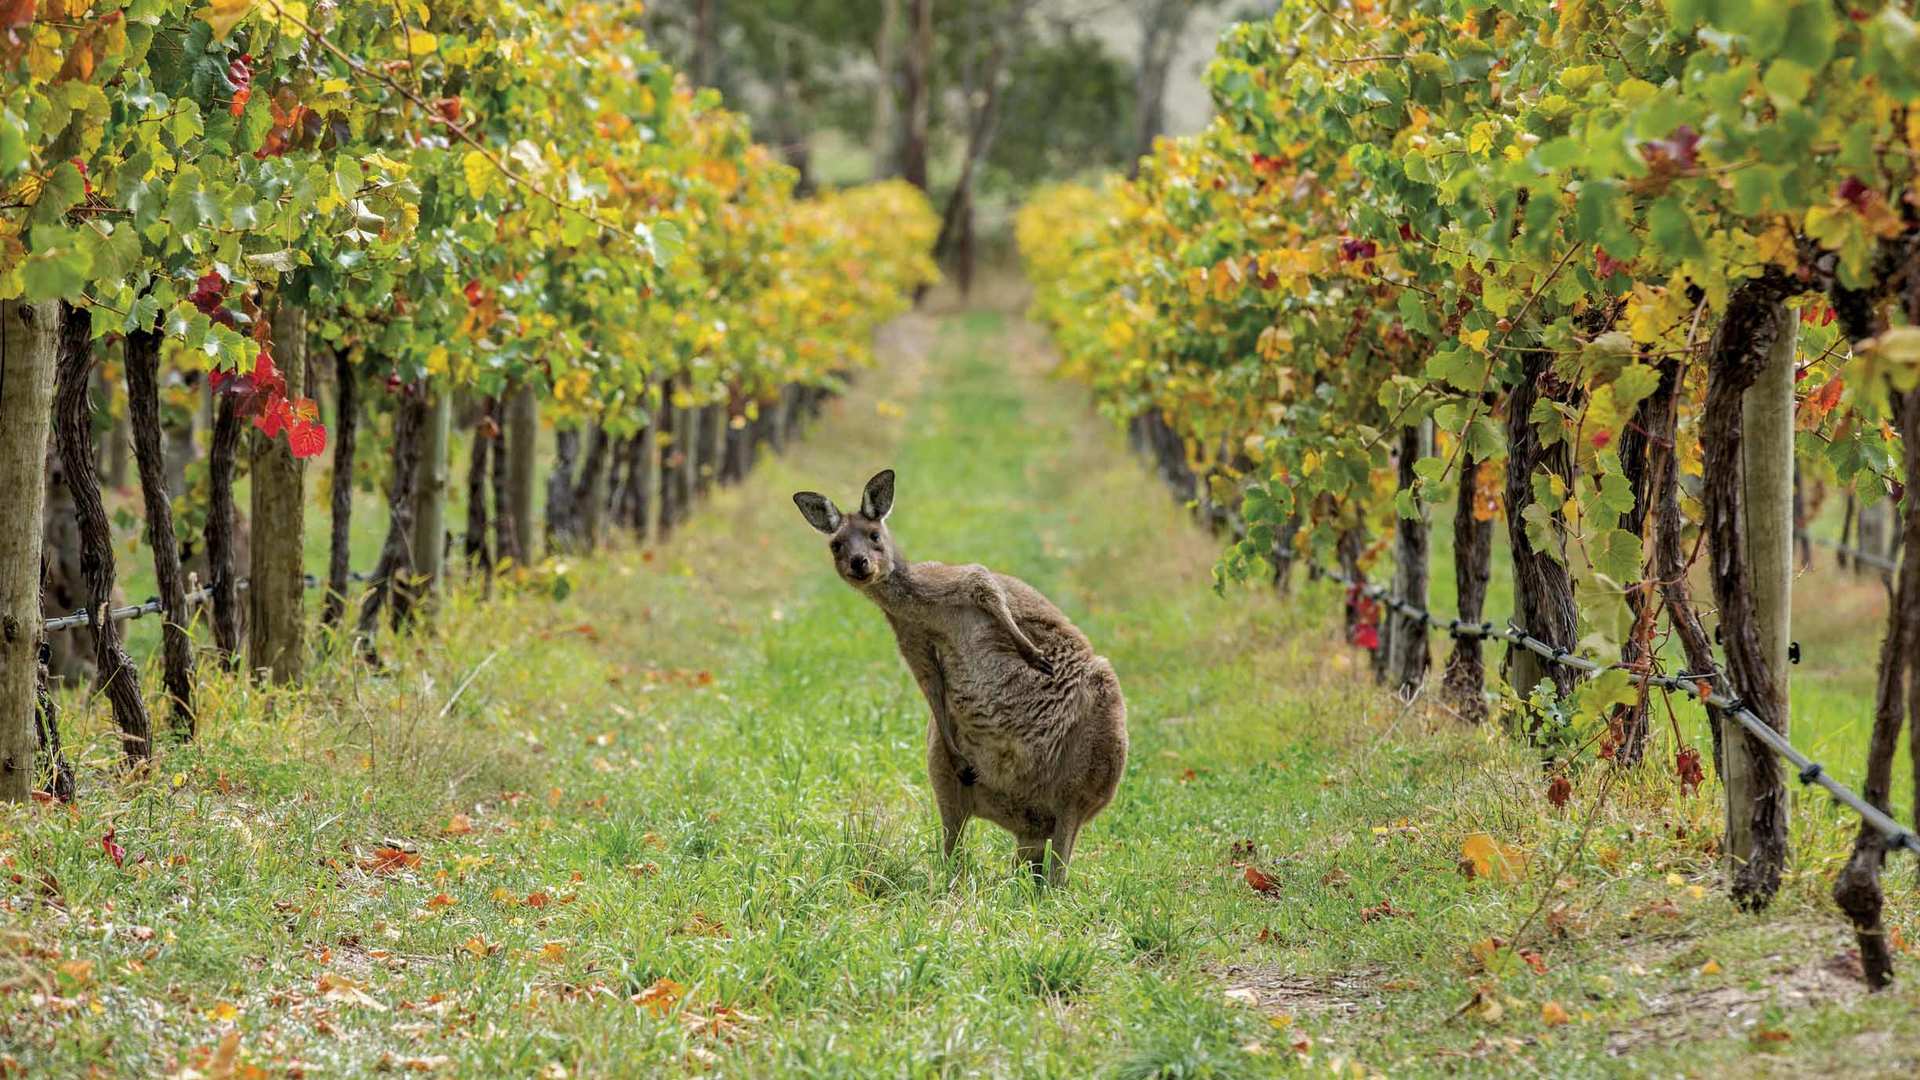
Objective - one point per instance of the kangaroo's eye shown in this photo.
(835, 547)
(875, 537)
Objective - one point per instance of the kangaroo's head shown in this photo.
(862, 549)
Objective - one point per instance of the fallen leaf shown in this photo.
(554, 952)
(1258, 881)
(1711, 967)
(1553, 1015)
(1772, 1035)
(457, 825)
(441, 900)
(225, 1056)
(1490, 858)
(479, 946)
(1241, 995)
(660, 998)
(334, 987)
(1384, 910)
(390, 860)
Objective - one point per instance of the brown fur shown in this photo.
(1028, 726)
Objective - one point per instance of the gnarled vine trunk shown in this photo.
(1857, 889)
(1542, 587)
(1465, 678)
(143, 409)
(222, 516)
(346, 441)
(1411, 657)
(478, 551)
(561, 522)
(392, 578)
(118, 678)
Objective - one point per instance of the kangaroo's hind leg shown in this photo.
(949, 794)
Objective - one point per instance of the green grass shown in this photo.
(707, 763)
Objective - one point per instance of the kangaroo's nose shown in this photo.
(860, 566)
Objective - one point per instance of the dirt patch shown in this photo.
(1340, 994)
(1689, 1014)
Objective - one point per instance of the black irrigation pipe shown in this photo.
(1810, 771)
(154, 607)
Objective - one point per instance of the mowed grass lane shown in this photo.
(677, 822)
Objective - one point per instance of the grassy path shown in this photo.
(698, 782)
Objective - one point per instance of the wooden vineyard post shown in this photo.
(276, 592)
(27, 349)
(1749, 517)
(430, 494)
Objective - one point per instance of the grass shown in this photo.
(677, 823)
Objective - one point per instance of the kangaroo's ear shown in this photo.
(818, 509)
(877, 502)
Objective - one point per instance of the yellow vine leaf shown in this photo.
(224, 15)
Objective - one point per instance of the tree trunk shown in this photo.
(523, 434)
(561, 528)
(883, 141)
(276, 624)
(28, 345)
(1411, 655)
(1162, 26)
(1755, 335)
(478, 551)
(706, 42)
(1542, 588)
(143, 412)
(590, 490)
(73, 430)
(430, 495)
(919, 94)
(392, 578)
(346, 439)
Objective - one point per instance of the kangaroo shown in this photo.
(1028, 728)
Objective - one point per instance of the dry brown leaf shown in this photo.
(660, 998)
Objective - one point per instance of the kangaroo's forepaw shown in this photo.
(1040, 664)
(967, 776)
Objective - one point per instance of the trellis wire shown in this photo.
(1878, 562)
(1810, 771)
(154, 607)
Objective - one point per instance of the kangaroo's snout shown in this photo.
(859, 568)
